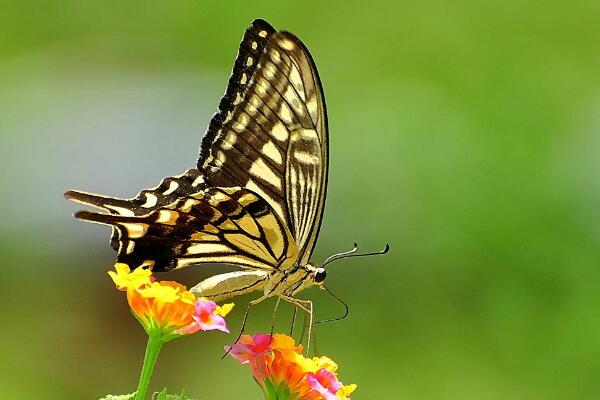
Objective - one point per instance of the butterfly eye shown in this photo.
(320, 275)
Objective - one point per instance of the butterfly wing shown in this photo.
(168, 191)
(268, 143)
(226, 225)
(270, 133)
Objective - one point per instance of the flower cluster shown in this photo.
(167, 308)
(284, 373)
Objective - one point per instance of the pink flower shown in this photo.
(207, 316)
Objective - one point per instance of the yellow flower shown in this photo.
(125, 279)
(161, 292)
(224, 309)
(167, 308)
(346, 391)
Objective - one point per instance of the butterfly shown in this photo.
(257, 194)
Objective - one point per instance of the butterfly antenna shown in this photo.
(340, 255)
(346, 309)
(352, 253)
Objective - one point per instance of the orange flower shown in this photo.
(284, 373)
(167, 308)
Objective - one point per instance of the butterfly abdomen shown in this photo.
(225, 286)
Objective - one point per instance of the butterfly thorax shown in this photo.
(290, 281)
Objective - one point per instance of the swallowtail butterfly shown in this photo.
(256, 197)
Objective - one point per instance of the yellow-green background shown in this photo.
(466, 134)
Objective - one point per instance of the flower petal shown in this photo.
(160, 292)
(346, 391)
(224, 309)
(125, 279)
(206, 318)
(316, 385)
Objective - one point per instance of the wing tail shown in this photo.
(112, 204)
(106, 219)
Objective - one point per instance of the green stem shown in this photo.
(153, 347)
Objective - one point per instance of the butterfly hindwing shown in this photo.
(228, 225)
(168, 190)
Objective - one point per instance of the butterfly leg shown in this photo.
(241, 332)
(293, 320)
(273, 317)
(307, 307)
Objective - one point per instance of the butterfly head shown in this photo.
(319, 275)
(314, 275)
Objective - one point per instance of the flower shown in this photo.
(284, 373)
(125, 279)
(167, 308)
(207, 318)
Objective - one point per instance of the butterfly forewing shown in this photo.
(270, 134)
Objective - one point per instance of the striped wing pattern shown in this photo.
(228, 225)
(270, 134)
(168, 191)
(256, 198)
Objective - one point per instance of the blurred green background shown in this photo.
(466, 134)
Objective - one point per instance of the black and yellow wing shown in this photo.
(226, 225)
(270, 134)
(268, 142)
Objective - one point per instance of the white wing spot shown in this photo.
(254, 101)
(241, 123)
(135, 230)
(231, 137)
(269, 70)
(198, 181)
(261, 170)
(172, 187)
(296, 80)
(275, 56)
(228, 117)
(272, 152)
(226, 145)
(279, 132)
(287, 44)
(311, 104)
(260, 88)
(238, 99)
(254, 45)
(187, 206)
(151, 200)
(262, 33)
(285, 114)
(249, 61)
(167, 217)
(290, 96)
